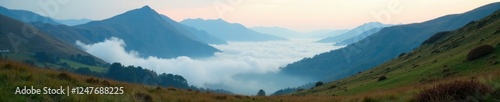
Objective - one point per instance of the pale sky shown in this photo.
(300, 15)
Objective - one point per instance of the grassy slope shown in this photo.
(19, 75)
(405, 78)
(21, 57)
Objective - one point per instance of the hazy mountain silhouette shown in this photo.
(229, 31)
(353, 32)
(358, 37)
(380, 47)
(72, 22)
(199, 35)
(326, 33)
(15, 38)
(26, 16)
(143, 30)
(278, 31)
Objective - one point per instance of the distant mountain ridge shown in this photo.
(326, 33)
(14, 39)
(200, 35)
(380, 47)
(278, 31)
(353, 32)
(143, 30)
(229, 31)
(358, 37)
(26, 16)
(73, 22)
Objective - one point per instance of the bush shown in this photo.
(238, 96)
(261, 93)
(381, 78)
(479, 52)
(105, 83)
(143, 97)
(454, 91)
(332, 87)
(92, 81)
(171, 89)
(402, 54)
(64, 76)
(7, 66)
(220, 97)
(319, 83)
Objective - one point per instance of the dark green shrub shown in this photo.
(479, 52)
(319, 83)
(261, 93)
(381, 78)
(402, 54)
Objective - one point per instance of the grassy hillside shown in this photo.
(13, 75)
(73, 64)
(441, 59)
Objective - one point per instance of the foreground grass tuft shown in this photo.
(455, 91)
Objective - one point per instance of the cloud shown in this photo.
(242, 67)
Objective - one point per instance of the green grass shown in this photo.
(78, 65)
(21, 57)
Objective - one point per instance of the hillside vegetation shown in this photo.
(444, 58)
(13, 75)
(380, 47)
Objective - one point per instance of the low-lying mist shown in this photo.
(242, 67)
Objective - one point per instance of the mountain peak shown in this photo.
(146, 7)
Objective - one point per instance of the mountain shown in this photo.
(26, 16)
(199, 35)
(439, 61)
(353, 32)
(278, 31)
(358, 37)
(325, 33)
(143, 30)
(73, 22)
(380, 47)
(15, 39)
(229, 31)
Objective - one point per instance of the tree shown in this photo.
(85, 59)
(261, 93)
(83, 71)
(319, 83)
(46, 57)
(170, 80)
